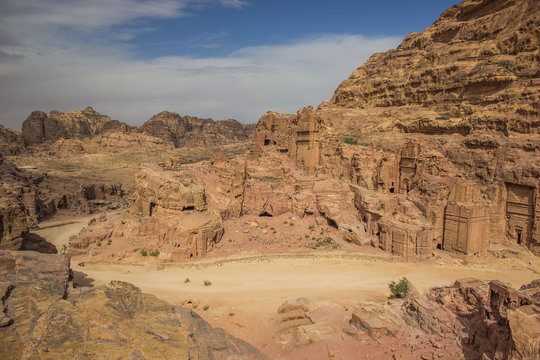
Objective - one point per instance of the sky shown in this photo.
(131, 59)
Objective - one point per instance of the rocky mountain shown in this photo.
(438, 139)
(11, 141)
(476, 68)
(39, 127)
(45, 316)
(170, 128)
(186, 131)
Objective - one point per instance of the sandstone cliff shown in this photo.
(11, 142)
(43, 316)
(39, 127)
(189, 131)
(430, 135)
(476, 68)
(169, 128)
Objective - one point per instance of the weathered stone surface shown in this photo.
(165, 189)
(39, 127)
(428, 135)
(11, 141)
(49, 319)
(378, 320)
(183, 131)
(475, 68)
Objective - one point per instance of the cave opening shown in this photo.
(332, 223)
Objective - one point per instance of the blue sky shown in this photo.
(131, 59)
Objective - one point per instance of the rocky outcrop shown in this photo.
(189, 131)
(474, 69)
(11, 142)
(165, 128)
(471, 319)
(173, 220)
(428, 135)
(45, 316)
(39, 127)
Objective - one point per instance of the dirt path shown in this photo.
(59, 231)
(244, 296)
(245, 293)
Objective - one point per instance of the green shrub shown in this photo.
(442, 118)
(186, 281)
(154, 253)
(350, 141)
(326, 242)
(143, 252)
(270, 179)
(207, 283)
(206, 307)
(399, 289)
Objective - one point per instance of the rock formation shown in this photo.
(39, 127)
(189, 131)
(165, 127)
(469, 320)
(45, 316)
(428, 135)
(476, 68)
(11, 142)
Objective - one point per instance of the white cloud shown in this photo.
(234, 3)
(243, 85)
(45, 67)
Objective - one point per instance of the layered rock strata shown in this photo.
(45, 316)
(429, 135)
(167, 128)
(475, 69)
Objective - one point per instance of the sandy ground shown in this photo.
(245, 293)
(59, 231)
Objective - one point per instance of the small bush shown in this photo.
(350, 141)
(399, 289)
(154, 253)
(109, 242)
(206, 307)
(311, 227)
(442, 118)
(143, 252)
(98, 244)
(326, 242)
(231, 314)
(187, 280)
(207, 283)
(291, 223)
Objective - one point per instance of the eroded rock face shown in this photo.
(471, 319)
(45, 316)
(165, 128)
(475, 68)
(185, 131)
(428, 135)
(39, 127)
(11, 142)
